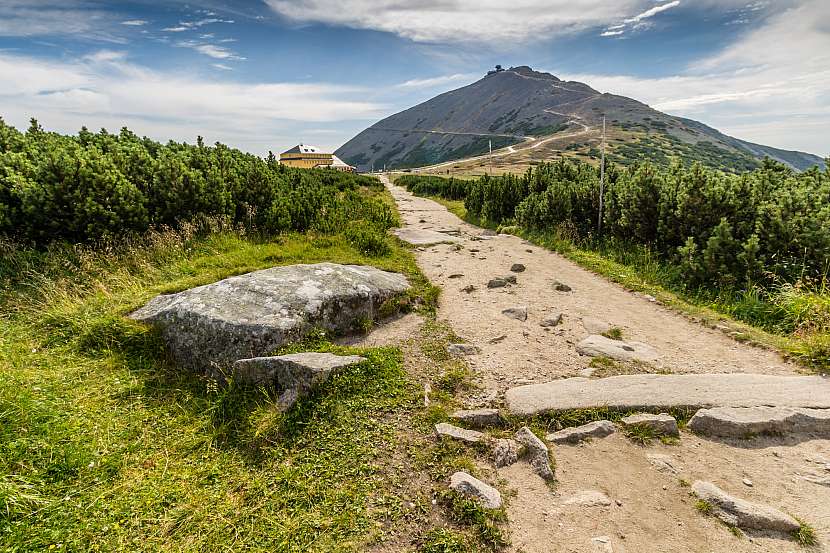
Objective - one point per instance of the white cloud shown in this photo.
(652, 12)
(30, 18)
(134, 22)
(106, 90)
(222, 66)
(191, 25)
(771, 86)
(211, 50)
(612, 33)
(437, 81)
(463, 20)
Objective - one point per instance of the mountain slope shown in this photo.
(519, 105)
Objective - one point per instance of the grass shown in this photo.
(704, 507)
(614, 333)
(805, 535)
(105, 446)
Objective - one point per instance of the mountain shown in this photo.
(525, 108)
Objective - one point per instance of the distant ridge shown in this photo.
(506, 107)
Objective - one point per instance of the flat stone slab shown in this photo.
(740, 422)
(296, 373)
(469, 486)
(422, 237)
(446, 430)
(596, 429)
(658, 391)
(251, 315)
(596, 345)
(741, 513)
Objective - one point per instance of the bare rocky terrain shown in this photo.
(610, 494)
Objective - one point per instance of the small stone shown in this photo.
(497, 283)
(663, 463)
(517, 268)
(469, 486)
(662, 424)
(552, 319)
(747, 482)
(518, 313)
(479, 418)
(561, 287)
(618, 502)
(597, 345)
(511, 279)
(536, 451)
(589, 498)
(602, 544)
(468, 289)
(742, 513)
(445, 430)
(497, 339)
(488, 232)
(462, 349)
(597, 429)
(455, 275)
(505, 452)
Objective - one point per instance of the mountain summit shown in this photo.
(516, 105)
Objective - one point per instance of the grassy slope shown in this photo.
(105, 446)
(805, 337)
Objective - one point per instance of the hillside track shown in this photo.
(650, 510)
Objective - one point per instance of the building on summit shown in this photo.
(310, 157)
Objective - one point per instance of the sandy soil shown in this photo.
(651, 510)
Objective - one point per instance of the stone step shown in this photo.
(656, 391)
(739, 422)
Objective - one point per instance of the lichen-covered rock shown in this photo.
(661, 425)
(551, 319)
(446, 430)
(536, 452)
(485, 495)
(505, 452)
(740, 422)
(518, 313)
(478, 418)
(462, 349)
(596, 429)
(742, 513)
(251, 315)
(296, 374)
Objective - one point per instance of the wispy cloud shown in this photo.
(437, 81)
(192, 25)
(611, 33)
(639, 21)
(652, 12)
(134, 22)
(210, 50)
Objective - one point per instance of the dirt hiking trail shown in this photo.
(651, 509)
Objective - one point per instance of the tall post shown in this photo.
(601, 178)
(490, 142)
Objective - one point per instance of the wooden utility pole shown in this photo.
(490, 142)
(601, 178)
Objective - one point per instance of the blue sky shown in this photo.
(265, 74)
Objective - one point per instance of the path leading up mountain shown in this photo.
(650, 506)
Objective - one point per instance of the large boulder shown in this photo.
(251, 315)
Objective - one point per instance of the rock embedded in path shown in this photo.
(422, 237)
(468, 289)
(518, 313)
(600, 346)
(473, 488)
(661, 425)
(510, 279)
(560, 286)
(596, 429)
(663, 463)
(536, 452)
(589, 498)
(462, 349)
(666, 391)
(488, 232)
(497, 283)
(517, 268)
(741, 422)
(505, 452)
(209, 327)
(595, 326)
(445, 430)
(741, 513)
(551, 319)
(295, 374)
(479, 418)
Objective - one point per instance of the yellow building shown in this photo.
(309, 157)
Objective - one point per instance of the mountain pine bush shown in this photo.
(102, 186)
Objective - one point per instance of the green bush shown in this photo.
(767, 226)
(100, 186)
